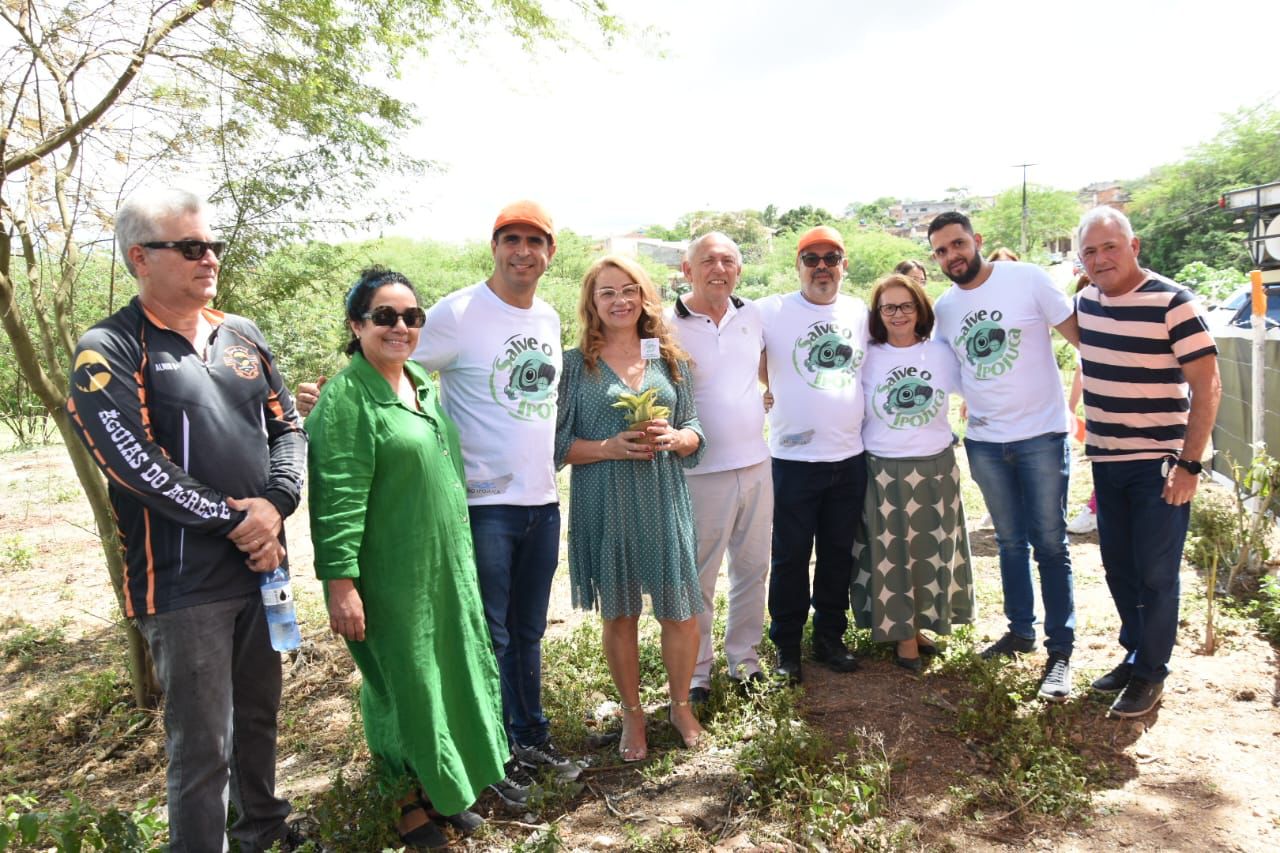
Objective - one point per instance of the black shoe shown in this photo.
(545, 754)
(835, 655)
(1010, 645)
(748, 685)
(425, 837)
(1055, 685)
(294, 838)
(513, 787)
(788, 668)
(466, 822)
(1115, 680)
(699, 695)
(1138, 698)
(915, 665)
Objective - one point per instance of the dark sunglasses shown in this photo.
(810, 259)
(192, 250)
(385, 315)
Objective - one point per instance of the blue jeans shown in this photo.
(1141, 538)
(813, 503)
(517, 548)
(221, 681)
(1025, 486)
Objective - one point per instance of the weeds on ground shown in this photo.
(28, 642)
(1266, 608)
(81, 826)
(1034, 767)
(546, 840)
(17, 555)
(792, 773)
(358, 815)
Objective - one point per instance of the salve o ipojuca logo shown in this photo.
(906, 400)
(523, 378)
(987, 346)
(826, 357)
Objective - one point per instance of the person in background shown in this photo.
(184, 409)
(393, 546)
(913, 270)
(914, 572)
(1086, 521)
(631, 530)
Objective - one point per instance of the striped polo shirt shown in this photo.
(1132, 348)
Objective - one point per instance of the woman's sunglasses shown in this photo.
(385, 315)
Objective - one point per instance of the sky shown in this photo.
(729, 105)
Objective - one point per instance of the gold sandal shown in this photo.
(697, 739)
(631, 754)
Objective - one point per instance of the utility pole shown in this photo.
(1023, 166)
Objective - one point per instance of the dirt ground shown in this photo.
(1201, 773)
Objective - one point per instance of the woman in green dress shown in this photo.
(630, 520)
(393, 546)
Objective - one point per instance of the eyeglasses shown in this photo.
(192, 250)
(810, 259)
(608, 294)
(385, 315)
(906, 309)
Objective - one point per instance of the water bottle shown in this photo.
(277, 601)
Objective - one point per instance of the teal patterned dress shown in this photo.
(630, 521)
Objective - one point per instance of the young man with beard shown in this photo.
(998, 318)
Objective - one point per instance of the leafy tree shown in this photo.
(744, 227)
(1174, 207)
(1051, 215)
(804, 217)
(874, 214)
(267, 102)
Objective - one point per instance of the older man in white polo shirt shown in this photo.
(732, 488)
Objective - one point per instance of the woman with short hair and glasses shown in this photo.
(914, 572)
(630, 517)
(393, 546)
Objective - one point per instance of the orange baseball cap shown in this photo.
(525, 212)
(820, 234)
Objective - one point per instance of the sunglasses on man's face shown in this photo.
(810, 259)
(192, 250)
(385, 315)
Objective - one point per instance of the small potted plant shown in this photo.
(641, 410)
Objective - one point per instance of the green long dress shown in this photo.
(630, 521)
(388, 510)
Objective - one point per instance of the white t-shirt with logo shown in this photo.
(726, 384)
(814, 354)
(906, 391)
(499, 370)
(1001, 334)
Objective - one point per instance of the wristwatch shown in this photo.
(1190, 465)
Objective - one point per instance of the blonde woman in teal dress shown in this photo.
(393, 546)
(630, 520)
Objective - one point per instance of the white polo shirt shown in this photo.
(814, 355)
(726, 387)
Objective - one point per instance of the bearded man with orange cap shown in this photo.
(815, 341)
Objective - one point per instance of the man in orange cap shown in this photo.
(815, 341)
(497, 348)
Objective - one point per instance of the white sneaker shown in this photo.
(1085, 522)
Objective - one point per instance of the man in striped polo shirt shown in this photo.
(1144, 345)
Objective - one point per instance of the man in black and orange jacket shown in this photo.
(185, 412)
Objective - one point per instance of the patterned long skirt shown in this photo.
(913, 569)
